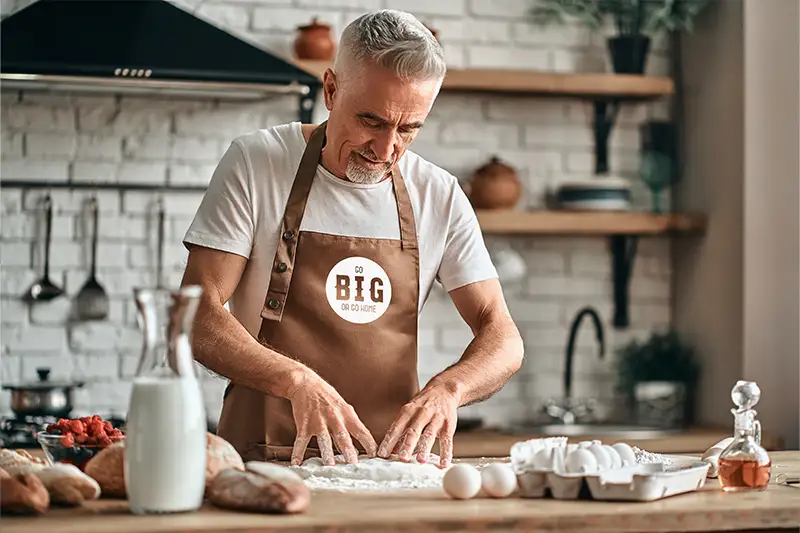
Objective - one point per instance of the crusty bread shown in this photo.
(220, 454)
(23, 494)
(19, 462)
(107, 468)
(261, 488)
(67, 485)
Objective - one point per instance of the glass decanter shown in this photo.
(744, 465)
(165, 456)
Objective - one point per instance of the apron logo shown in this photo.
(358, 290)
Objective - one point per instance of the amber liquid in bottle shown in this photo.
(743, 474)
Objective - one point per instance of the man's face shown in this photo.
(374, 116)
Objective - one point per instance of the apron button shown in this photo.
(273, 304)
(287, 235)
(282, 267)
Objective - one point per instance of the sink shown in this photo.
(600, 429)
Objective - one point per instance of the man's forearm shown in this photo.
(224, 346)
(492, 357)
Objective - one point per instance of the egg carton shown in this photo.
(641, 482)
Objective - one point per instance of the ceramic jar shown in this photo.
(433, 31)
(314, 41)
(495, 185)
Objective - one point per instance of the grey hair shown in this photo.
(395, 40)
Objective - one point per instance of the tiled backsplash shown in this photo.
(151, 140)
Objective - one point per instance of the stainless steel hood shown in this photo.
(138, 47)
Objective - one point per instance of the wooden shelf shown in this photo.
(591, 86)
(587, 223)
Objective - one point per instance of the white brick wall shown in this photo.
(154, 140)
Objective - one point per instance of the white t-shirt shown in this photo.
(242, 210)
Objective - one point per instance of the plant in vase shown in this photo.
(635, 22)
(658, 378)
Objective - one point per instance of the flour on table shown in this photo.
(645, 457)
(371, 474)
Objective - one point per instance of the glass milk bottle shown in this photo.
(165, 442)
(744, 465)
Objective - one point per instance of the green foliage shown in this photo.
(663, 357)
(630, 17)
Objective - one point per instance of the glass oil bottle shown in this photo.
(744, 465)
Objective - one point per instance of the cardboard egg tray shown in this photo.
(641, 482)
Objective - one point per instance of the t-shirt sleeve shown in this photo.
(224, 220)
(466, 259)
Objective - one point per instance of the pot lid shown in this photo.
(43, 383)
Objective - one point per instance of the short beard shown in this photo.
(361, 175)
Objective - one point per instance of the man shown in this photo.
(326, 240)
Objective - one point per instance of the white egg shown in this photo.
(585, 444)
(581, 461)
(498, 480)
(571, 448)
(625, 453)
(462, 481)
(603, 460)
(616, 460)
(543, 459)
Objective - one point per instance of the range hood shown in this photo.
(139, 46)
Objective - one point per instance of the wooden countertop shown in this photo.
(495, 443)
(709, 509)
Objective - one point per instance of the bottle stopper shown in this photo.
(745, 394)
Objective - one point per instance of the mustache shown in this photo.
(370, 155)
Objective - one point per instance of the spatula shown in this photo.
(44, 289)
(92, 300)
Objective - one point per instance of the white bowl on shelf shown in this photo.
(596, 194)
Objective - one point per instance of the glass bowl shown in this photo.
(77, 454)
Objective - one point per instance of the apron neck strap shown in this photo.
(405, 212)
(298, 197)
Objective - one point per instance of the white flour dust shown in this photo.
(645, 457)
(371, 474)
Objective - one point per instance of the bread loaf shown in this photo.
(23, 494)
(107, 468)
(67, 485)
(261, 488)
(19, 462)
(220, 454)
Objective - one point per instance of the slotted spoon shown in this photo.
(92, 300)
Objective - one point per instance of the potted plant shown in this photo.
(635, 22)
(658, 377)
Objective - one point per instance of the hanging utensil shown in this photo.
(160, 245)
(92, 300)
(45, 290)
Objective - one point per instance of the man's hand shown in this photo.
(319, 411)
(430, 415)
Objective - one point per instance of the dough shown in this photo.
(378, 470)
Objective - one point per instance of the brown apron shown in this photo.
(351, 316)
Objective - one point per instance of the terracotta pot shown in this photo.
(314, 41)
(495, 186)
(433, 31)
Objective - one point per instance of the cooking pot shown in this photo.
(43, 397)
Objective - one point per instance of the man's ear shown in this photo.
(329, 88)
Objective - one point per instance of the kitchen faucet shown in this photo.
(567, 411)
